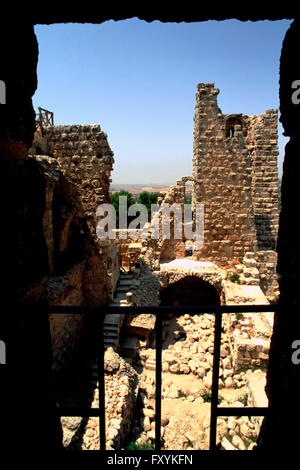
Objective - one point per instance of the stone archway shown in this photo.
(190, 290)
(232, 121)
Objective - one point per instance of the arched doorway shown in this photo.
(190, 290)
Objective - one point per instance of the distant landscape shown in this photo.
(139, 188)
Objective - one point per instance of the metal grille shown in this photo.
(216, 411)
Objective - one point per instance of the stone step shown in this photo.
(125, 276)
(130, 342)
(109, 340)
(122, 303)
(109, 344)
(122, 289)
(125, 282)
(113, 319)
(110, 335)
(130, 347)
(111, 328)
(120, 296)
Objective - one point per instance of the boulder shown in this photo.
(111, 360)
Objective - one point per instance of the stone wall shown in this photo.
(266, 264)
(81, 268)
(129, 248)
(235, 161)
(121, 390)
(223, 165)
(171, 246)
(85, 159)
(262, 142)
(66, 330)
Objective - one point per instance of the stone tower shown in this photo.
(235, 164)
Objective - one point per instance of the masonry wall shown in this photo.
(29, 388)
(82, 270)
(235, 161)
(262, 143)
(85, 159)
(223, 165)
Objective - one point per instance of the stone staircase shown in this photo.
(113, 321)
(111, 329)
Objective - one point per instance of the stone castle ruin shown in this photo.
(235, 178)
(235, 162)
(51, 255)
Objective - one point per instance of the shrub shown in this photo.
(136, 446)
(207, 398)
(234, 278)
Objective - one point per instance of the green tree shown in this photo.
(114, 198)
(188, 199)
(146, 198)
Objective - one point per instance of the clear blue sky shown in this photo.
(138, 81)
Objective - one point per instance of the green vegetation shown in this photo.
(239, 316)
(136, 446)
(144, 198)
(188, 199)
(207, 398)
(114, 198)
(147, 199)
(234, 277)
(241, 260)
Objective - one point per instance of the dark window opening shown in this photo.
(230, 125)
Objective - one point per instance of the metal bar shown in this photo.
(193, 309)
(215, 382)
(101, 380)
(158, 378)
(159, 311)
